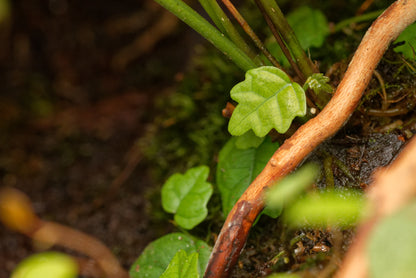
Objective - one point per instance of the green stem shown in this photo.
(276, 16)
(365, 17)
(243, 23)
(286, 38)
(223, 23)
(279, 39)
(203, 27)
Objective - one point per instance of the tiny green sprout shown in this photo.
(47, 265)
(318, 83)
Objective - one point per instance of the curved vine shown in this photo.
(235, 230)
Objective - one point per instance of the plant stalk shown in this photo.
(280, 41)
(243, 23)
(235, 230)
(356, 19)
(223, 23)
(276, 16)
(203, 27)
(291, 48)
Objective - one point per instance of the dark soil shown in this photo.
(70, 119)
(74, 105)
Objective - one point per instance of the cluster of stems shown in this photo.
(225, 36)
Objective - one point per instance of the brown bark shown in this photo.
(238, 223)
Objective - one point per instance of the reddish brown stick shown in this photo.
(239, 221)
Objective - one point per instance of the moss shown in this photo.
(189, 128)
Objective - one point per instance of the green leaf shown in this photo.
(187, 196)
(289, 188)
(276, 51)
(47, 265)
(157, 255)
(182, 266)
(237, 168)
(409, 37)
(267, 99)
(309, 25)
(330, 208)
(391, 249)
(248, 140)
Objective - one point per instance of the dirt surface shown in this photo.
(79, 85)
(71, 113)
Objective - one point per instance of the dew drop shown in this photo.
(273, 162)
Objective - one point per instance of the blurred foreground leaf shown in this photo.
(289, 188)
(328, 208)
(392, 246)
(47, 265)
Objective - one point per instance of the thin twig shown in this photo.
(385, 103)
(239, 221)
(285, 30)
(288, 42)
(251, 33)
(281, 43)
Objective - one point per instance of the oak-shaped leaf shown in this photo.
(237, 168)
(157, 256)
(187, 195)
(266, 99)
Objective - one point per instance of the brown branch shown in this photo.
(393, 188)
(238, 223)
